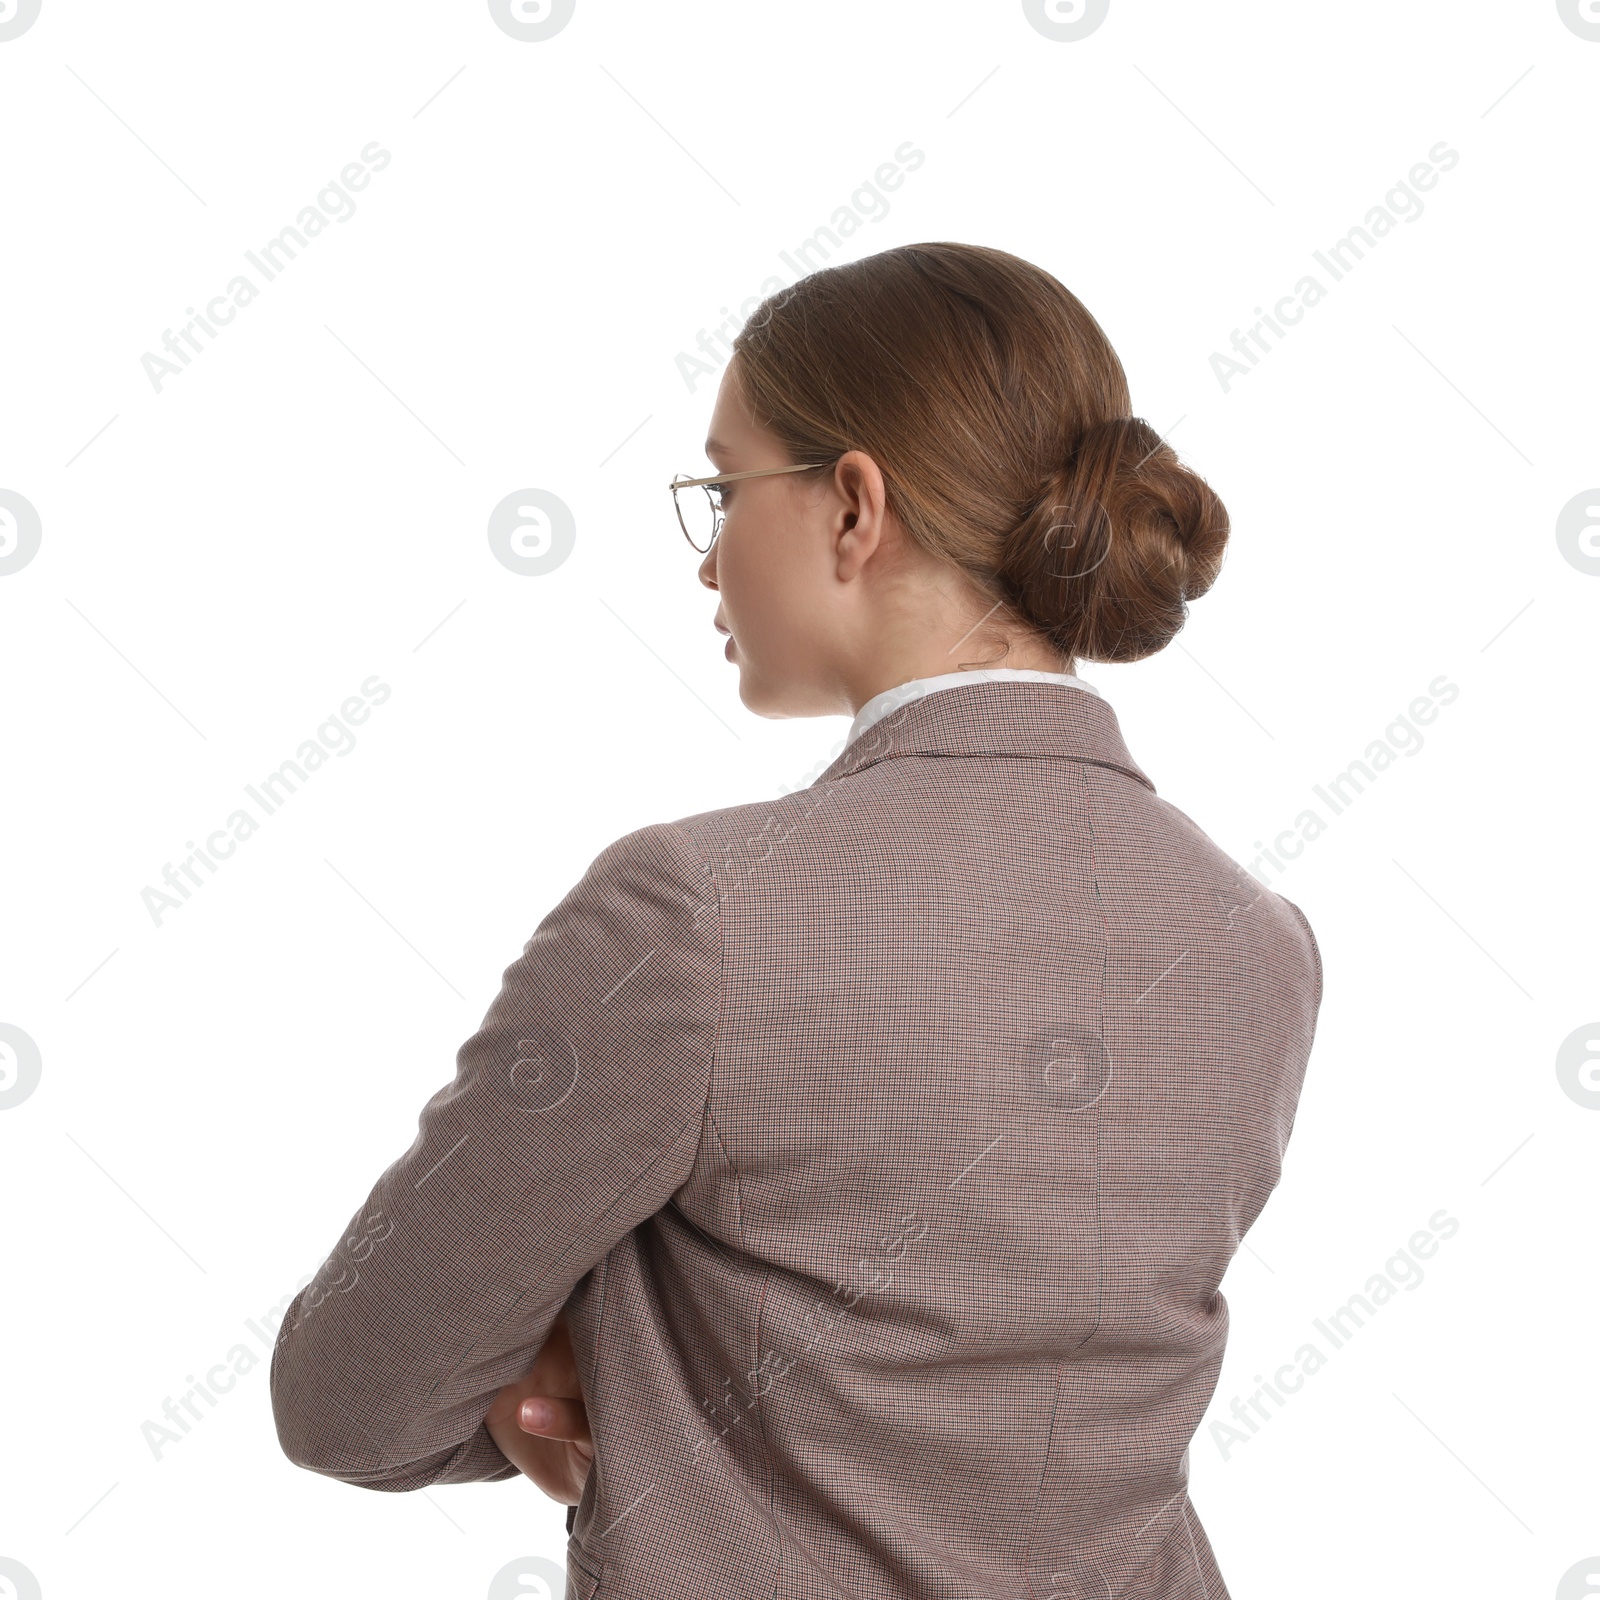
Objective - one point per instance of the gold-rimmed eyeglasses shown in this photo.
(702, 513)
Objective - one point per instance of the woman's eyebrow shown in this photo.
(715, 447)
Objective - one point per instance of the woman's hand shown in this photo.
(555, 1452)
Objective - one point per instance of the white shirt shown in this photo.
(880, 705)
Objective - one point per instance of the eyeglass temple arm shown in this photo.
(755, 472)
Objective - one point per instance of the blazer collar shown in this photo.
(994, 718)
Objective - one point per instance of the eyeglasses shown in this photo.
(702, 515)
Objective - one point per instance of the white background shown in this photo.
(225, 561)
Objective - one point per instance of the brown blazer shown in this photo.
(886, 1144)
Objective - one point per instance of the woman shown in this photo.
(873, 1154)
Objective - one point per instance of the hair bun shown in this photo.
(1121, 539)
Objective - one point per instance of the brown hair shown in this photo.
(998, 413)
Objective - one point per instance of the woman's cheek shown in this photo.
(734, 564)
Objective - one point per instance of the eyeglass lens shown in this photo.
(702, 514)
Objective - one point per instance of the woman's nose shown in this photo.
(708, 567)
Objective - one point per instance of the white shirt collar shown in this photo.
(880, 705)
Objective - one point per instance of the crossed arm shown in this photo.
(575, 1113)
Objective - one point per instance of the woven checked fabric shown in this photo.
(886, 1144)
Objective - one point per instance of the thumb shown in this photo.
(554, 1418)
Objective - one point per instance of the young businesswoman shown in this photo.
(861, 1165)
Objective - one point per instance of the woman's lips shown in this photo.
(727, 649)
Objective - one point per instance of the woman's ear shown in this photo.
(859, 512)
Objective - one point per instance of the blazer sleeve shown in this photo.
(575, 1113)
